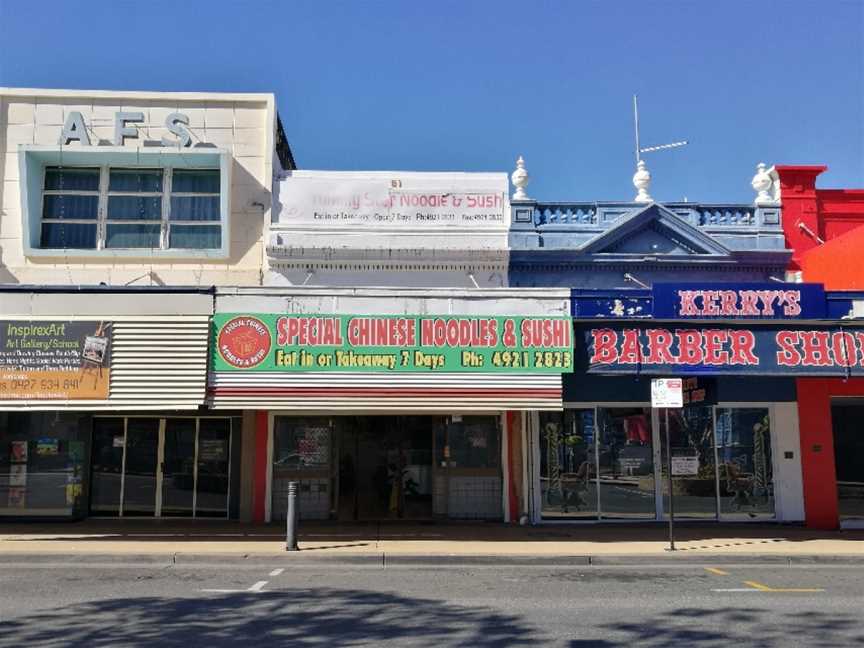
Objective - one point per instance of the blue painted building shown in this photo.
(632, 245)
(603, 457)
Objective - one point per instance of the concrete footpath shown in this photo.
(405, 542)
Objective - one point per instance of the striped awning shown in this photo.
(451, 392)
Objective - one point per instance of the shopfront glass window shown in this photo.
(106, 466)
(626, 463)
(42, 464)
(302, 451)
(694, 476)
(472, 442)
(568, 474)
(744, 463)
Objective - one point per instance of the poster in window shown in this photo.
(54, 359)
(18, 475)
(18, 452)
(76, 451)
(477, 438)
(17, 497)
(47, 446)
(314, 446)
(211, 450)
(73, 492)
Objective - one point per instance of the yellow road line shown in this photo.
(764, 588)
(714, 570)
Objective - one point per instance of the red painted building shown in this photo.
(825, 228)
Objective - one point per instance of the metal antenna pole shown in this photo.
(648, 149)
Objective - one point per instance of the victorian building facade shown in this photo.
(190, 322)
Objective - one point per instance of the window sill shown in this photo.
(123, 253)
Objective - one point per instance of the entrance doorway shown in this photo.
(385, 467)
(408, 467)
(848, 427)
(160, 467)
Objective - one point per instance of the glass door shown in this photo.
(178, 468)
(212, 477)
(161, 467)
(142, 470)
(694, 473)
(106, 466)
(625, 463)
(467, 479)
(847, 421)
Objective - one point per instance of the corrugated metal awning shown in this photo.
(158, 363)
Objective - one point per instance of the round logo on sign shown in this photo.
(244, 342)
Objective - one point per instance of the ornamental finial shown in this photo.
(642, 180)
(762, 184)
(520, 180)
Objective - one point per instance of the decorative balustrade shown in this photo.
(565, 214)
(726, 214)
(600, 214)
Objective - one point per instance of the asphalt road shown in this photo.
(280, 603)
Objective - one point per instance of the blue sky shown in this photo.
(459, 85)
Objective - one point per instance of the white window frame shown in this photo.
(169, 193)
(102, 221)
(73, 221)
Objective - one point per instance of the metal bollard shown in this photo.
(291, 518)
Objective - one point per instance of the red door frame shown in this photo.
(819, 473)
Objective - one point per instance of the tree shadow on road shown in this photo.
(295, 617)
(745, 626)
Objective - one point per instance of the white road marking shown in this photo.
(276, 572)
(257, 587)
(737, 589)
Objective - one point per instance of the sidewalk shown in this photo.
(203, 538)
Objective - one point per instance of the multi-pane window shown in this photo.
(134, 217)
(131, 208)
(70, 208)
(194, 217)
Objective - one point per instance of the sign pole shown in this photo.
(666, 393)
(669, 477)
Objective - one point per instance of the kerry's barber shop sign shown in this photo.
(75, 129)
(768, 350)
(749, 301)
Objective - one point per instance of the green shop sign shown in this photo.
(453, 343)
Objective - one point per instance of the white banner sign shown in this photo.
(667, 392)
(369, 203)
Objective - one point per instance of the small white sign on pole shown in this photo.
(667, 392)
